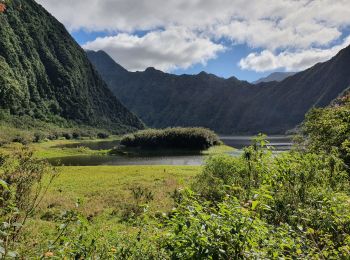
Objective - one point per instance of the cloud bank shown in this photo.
(303, 31)
(290, 61)
(165, 50)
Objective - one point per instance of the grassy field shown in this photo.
(104, 192)
(54, 149)
(103, 189)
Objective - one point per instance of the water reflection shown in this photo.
(280, 143)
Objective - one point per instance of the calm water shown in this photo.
(280, 143)
(102, 145)
(120, 160)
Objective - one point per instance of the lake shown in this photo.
(280, 143)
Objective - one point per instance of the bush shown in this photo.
(68, 136)
(21, 190)
(141, 198)
(25, 130)
(295, 205)
(173, 138)
(76, 135)
(327, 129)
(102, 135)
(39, 136)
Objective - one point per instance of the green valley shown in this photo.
(83, 177)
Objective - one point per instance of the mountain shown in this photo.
(228, 106)
(47, 75)
(275, 76)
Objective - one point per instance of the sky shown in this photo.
(245, 39)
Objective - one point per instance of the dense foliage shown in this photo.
(225, 105)
(257, 206)
(24, 129)
(176, 138)
(45, 74)
(328, 129)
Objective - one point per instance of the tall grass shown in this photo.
(178, 138)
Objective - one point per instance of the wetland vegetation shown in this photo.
(256, 205)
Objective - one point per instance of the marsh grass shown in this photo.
(191, 138)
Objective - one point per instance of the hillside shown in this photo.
(45, 73)
(275, 76)
(225, 105)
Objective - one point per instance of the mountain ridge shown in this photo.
(275, 76)
(230, 106)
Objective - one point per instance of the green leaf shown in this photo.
(254, 204)
(267, 196)
(4, 185)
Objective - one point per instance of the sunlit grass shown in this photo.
(103, 191)
(107, 187)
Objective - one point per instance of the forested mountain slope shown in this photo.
(44, 73)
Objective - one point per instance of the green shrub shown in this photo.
(25, 130)
(102, 135)
(238, 176)
(21, 190)
(327, 129)
(141, 198)
(174, 138)
(305, 193)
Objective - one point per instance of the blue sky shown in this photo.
(245, 39)
(225, 65)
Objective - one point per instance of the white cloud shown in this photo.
(165, 50)
(260, 23)
(286, 27)
(290, 61)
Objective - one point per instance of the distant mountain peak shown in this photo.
(206, 75)
(150, 69)
(101, 58)
(275, 76)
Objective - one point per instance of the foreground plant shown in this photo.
(22, 188)
(295, 205)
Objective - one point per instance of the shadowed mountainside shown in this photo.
(225, 105)
(276, 76)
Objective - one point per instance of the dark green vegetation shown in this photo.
(172, 138)
(295, 205)
(228, 106)
(46, 75)
(328, 129)
(25, 129)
